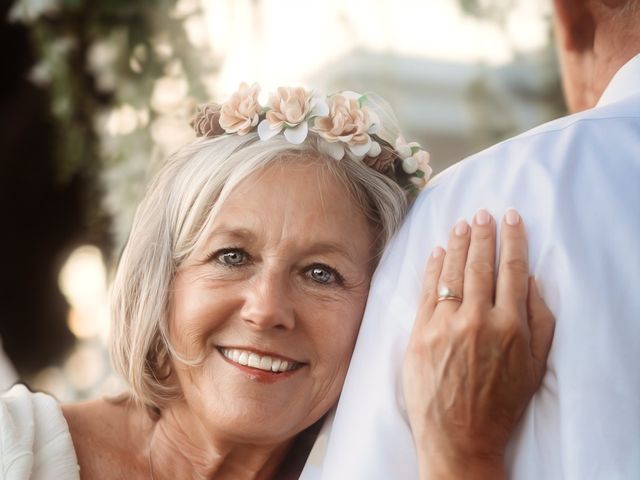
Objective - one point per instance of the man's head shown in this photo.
(594, 38)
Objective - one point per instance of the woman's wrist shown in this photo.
(449, 466)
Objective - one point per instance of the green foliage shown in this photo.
(96, 56)
(495, 10)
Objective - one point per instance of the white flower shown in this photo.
(409, 165)
(422, 157)
(402, 147)
(375, 150)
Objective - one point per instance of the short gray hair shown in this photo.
(174, 216)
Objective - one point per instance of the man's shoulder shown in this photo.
(579, 139)
(578, 124)
(576, 155)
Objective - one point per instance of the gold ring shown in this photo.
(450, 297)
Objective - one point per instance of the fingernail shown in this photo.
(512, 217)
(437, 252)
(482, 217)
(461, 227)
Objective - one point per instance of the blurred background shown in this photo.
(96, 93)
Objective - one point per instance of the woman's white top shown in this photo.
(8, 375)
(35, 442)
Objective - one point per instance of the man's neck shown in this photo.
(611, 50)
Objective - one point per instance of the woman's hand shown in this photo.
(474, 362)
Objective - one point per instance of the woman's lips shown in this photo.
(257, 363)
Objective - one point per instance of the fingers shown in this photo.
(541, 325)
(481, 259)
(452, 276)
(430, 283)
(513, 270)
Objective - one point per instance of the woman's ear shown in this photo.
(575, 25)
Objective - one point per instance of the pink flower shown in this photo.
(240, 114)
(290, 109)
(347, 123)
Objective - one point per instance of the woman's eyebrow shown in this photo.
(233, 233)
(331, 247)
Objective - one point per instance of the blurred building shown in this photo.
(452, 108)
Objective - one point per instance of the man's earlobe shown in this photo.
(575, 24)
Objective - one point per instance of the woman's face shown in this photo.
(274, 301)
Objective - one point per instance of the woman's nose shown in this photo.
(268, 304)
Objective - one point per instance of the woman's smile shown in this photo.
(261, 366)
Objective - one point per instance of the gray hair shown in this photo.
(175, 215)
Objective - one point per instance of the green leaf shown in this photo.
(418, 173)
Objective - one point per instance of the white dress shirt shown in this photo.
(576, 182)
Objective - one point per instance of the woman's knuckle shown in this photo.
(510, 326)
(480, 267)
(472, 320)
(516, 265)
(451, 279)
(457, 245)
(482, 233)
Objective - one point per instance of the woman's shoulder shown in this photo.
(35, 442)
(107, 436)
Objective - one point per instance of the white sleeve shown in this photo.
(34, 438)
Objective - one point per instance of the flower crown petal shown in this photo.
(351, 95)
(266, 130)
(297, 134)
(320, 109)
(333, 149)
(360, 150)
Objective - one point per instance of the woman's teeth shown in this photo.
(252, 359)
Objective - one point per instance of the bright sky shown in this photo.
(283, 41)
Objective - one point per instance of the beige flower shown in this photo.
(347, 122)
(289, 110)
(289, 105)
(206, 121)
(240, 113)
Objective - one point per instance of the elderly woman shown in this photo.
(238, 298)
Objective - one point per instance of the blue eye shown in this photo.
(323, 274)
(232, 258)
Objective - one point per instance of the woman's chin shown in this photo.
(253, 404)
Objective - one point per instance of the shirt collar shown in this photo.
(624, 83)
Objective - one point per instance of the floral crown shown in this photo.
(346, 123)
